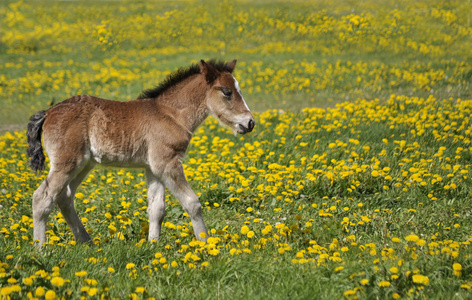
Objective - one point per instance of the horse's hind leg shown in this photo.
(156, 205)
(66, 205)
(44, 199)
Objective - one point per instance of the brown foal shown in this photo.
(152, 132)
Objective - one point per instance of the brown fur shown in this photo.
(150, 133)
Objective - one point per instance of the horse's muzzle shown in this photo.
(249, 128)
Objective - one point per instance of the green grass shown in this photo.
(54, 50)
(295, 210)
(335, 194)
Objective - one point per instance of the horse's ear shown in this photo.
(210, 72)
(230, 65)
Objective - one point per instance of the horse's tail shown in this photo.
(35, 149)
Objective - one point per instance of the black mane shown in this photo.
(180, 75)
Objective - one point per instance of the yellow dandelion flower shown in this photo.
(81, 273)
(420, 279)
(40, 291)
(130, 266)
(338, 269)
(57, 281)
(457, 269)
(92, 292)
(421, 242)
(50, 295)
(412, 238)
(349, 293)
(384, 283)
(5, 291)
(11, 280)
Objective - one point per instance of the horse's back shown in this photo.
(76, 126)
(114, 133)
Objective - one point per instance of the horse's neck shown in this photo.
(188, 98)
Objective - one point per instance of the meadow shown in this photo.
(355, 183)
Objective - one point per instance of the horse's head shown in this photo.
(224, 99)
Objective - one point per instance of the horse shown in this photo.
(151, 132)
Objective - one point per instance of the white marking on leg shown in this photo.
(156, 205)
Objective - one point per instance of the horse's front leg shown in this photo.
(174, 179)
(156, 205)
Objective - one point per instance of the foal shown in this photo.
(151, 132)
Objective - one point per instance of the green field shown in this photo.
(356, 182)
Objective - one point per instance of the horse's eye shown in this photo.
(227, 92)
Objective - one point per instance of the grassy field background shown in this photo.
(291, 55)
(355, 183)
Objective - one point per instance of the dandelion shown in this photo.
(81, 273)
(457, 268)
(349, 293)
(412, 238)
(11, 280)
(92, 292)
(420, 279)
(5, 291)
(40, 291)
(57, 281)
(27, 281)
(50, 295)
(130, 266)
(421, 242)
(384, 283)
(338, 269)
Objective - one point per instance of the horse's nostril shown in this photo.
(251, 124)
(249, 128)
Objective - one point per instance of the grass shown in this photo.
(315, 53)
(335, 194)
(294, 210)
